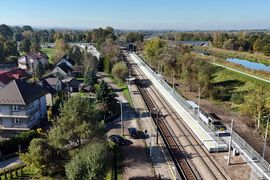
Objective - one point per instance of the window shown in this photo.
(15, 108)
(1, 121)
(33, 117)
(17, 121)
(31, 105)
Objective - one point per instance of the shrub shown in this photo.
(120, 70)
(11, 146)
(89, 163)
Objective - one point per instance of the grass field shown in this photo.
(234, 83)
(49, 52)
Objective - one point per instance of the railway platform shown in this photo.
(205, 134)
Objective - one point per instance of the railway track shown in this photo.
(204, 163)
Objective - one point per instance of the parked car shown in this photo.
(117, 139)
(133, 132)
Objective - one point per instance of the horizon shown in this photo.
(173, 15)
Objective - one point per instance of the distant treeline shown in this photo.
(15, 40)
(239, 41)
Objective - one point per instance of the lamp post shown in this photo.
(121, 109)
(265, 137)
(230, 145)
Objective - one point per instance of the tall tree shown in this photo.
(25, 45)
(5, 31)
(40, 70)
(90, 77)
(77, 121)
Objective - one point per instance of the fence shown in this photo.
(251, 156)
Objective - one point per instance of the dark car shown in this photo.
(133, 132)
(117, 139)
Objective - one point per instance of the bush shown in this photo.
(120, 70)
(89, 163)
(11, 146)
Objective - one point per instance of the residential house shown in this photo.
(22, 106)
(29, 61)
(52, 92)
(72, 84)
(61, 71)
(66, 60)
(8, 76)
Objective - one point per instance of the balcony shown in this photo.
(20, 113)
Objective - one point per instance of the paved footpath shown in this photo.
(10, 162)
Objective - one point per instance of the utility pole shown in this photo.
(230, 145)
(157, 127)
(265, 137)
(199, 99)
(173, 81)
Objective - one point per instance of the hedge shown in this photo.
(11, 146)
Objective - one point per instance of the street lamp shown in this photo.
(121, 108)
(265, 137)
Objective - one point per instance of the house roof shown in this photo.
(53, 81)
(65, 67)
(7, 76)
(48, 87)
(35, 56)
(66, 57)
(19, 92)
(72, 82)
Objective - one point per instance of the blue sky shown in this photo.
(138, 14)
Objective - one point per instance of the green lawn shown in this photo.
(49, 52)
(233, 83)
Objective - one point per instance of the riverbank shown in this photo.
(222, 61)
(223, 53)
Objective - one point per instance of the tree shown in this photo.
(106, 65)
(133, 37)
(42, 158)
(255, 104)
(266, 50)
(90, 163)
(77, 121)
(25, 45)
(61, 49)
(103, 93)
(120, 70)
(40, 70)
(27, 28)
(5, 31)
(153, 48)
(90, 77)
(35, 46)
(76, 54)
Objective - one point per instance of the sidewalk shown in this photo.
(10, 162)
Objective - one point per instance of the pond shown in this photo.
(249, 64)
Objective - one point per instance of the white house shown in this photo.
(22, 106)
(29, 61)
